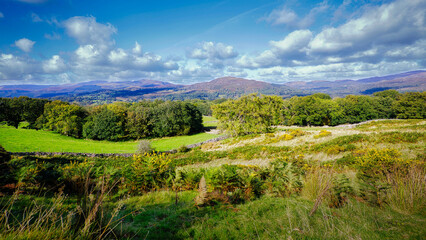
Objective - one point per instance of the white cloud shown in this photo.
(398, 23)
(211, 50)
(294, 42)
(137, 49)
(392, 33)
(54, 65)
(53, 36)
(25, 44)
(36, 18)
(282, 16)
(16, 68)
(1, 15)
(117, 56)
(377, 40)
(293, 47)
(87, 31)
(286, 16)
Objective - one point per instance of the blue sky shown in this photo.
(65, 41)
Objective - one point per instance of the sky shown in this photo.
(67, 41)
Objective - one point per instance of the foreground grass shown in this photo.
(30, 140)
(156, 215)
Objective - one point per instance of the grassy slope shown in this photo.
(283, 218)
(264, 218)
(156, 216)
(29, 140)
(209, 121)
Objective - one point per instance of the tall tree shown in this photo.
(248, 114)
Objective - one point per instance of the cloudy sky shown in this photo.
(64, 41)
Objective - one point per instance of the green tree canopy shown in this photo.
(249, 114)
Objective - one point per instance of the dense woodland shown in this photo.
(117, 121)
(257, 114)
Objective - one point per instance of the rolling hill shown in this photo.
(225, 87)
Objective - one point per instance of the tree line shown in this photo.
(257, 114)
(116, 121)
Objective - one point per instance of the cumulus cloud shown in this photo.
(54, 65)
(24, 44)
(17, 68)
(87, 31)
(1, 15)
(286, 16)
(96, 57)
(211, 50)
(137, 49)
(377, 40)
(293, 44)
(398, 23)
(392, 33)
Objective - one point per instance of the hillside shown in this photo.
(225, 87)
(75, 89)
(409, 81)
(294, 183)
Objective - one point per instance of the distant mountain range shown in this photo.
(403, 82)
(104, 91)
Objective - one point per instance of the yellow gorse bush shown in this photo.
(77, 169)
(270, 138)
(376, 162)
(323, 133)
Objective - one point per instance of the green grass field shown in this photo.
(209, 121)
(30, 140)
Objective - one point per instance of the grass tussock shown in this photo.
(407, 191)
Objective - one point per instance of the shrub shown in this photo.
(150, 171)
(379, 162)
(283, 178)
(374, 166)
(340, 191)
(398, 137)
(323, 133)
(76, 174)
(144, 146)
(297, 132)
(187, 179)
(5, 171)
(183, 149)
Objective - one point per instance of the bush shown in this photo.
(148, 172)
(5, 171)
(374, 166)
(323, 133)
(183, 149)
(376, 163)
(144, 146)
(283, 178)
